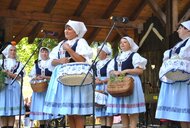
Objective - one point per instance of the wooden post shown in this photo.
(168, 23)
(174, 15)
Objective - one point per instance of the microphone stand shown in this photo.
(93, 76)
(20, 108)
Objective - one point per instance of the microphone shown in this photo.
(50, 33)
(119, 19)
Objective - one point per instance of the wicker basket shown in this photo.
(39, 86)
(122, 87)
(75, 80)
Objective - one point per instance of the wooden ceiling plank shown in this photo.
(14, 4)
(58, 19)
(81, 7)
(138, 10)
(106, 15)
(157, 10)
(49, 6)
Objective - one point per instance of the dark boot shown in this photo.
(103, 127)
(4, 127)
(108, 126)
(9, 126)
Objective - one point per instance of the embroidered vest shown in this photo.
(127, 64)
(38, 70)
(73, 48)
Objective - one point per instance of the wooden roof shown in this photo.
(26, 18)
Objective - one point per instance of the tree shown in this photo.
(24, 50)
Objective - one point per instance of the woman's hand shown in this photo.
(66, 46)
(39, 77)
(7, 73)
(98, 81)
(116, 73)
(64, 60)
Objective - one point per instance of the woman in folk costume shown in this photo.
(130, 63)
(10, 94)
(75, 101)
(40, 72)
(174, 98)
(101, 83)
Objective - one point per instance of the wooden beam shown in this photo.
(34, 32)
(186, 16)
(138, 10)
(157, 11)
(81, 7)
(110, 9)
(49, 6)
(168, 23)
(59, 19)
(106, 15)
(14, 4)
(8, 24)
(174, 15)
(22, 32)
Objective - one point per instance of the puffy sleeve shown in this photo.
(49, 65)
(110, 67)
(32, 73)
(166, 54)
(185, 51)
(139, 61)
(84, 49)
(54, 53)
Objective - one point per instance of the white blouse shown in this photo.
(43, 64)
(184, 52)
(137, 61)
(82, 49)
(10, 64)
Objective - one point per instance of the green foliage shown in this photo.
(25, 50)
(114, 78)
(2, 79)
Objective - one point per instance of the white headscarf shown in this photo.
(39, 56)
(134, 46)
(106, 49)
(6, 50)
(186, 24)
(78, 27)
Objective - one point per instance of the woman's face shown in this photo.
(124, 45)
(12, 52)
(70, 33)
(102, 55)
(183, 32)
(44, 54)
